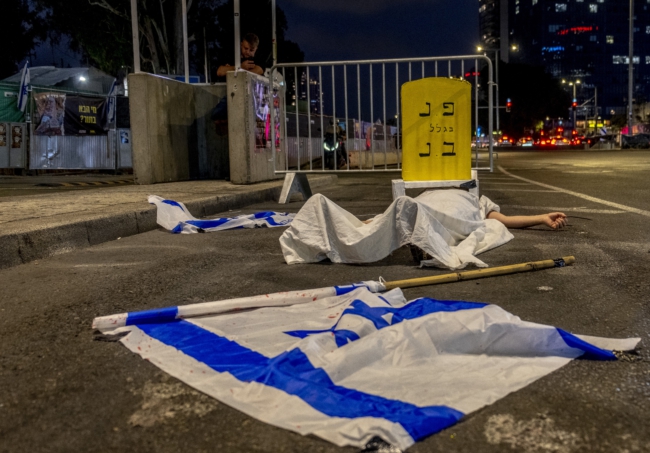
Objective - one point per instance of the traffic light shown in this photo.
(574, 104)
(508, 105)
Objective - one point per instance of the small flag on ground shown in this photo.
(23, 91)
(357, 365)
(175, 217)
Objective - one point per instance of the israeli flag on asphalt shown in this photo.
(175, 217)
(350, 367)
(23, 91)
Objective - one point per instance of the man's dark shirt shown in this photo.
(231, 61)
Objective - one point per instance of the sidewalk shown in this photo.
(38, 226)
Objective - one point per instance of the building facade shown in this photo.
(585, 40)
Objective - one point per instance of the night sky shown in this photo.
(360, 29)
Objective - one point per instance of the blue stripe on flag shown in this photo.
(160, 315)
(173, 203)
(206, 224)
(263, 214)
(591, 352)
(293, 373)
(340, 290)
(416, 309)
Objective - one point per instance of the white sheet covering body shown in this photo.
(449, 225)
(359, 365)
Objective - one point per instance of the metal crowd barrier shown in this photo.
(353, 94)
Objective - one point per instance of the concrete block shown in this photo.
(173, 136)
(249, 163)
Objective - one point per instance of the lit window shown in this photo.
(610, 39)
(593, 38)
(554, 28)
(647, 59)
(601, 1)
(623, 59)
(647, 29)
(593, 8)
(560, 7)
(535, 2)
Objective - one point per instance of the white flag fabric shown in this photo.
(351, 367)
(23, 91)
(111, 102)
(450, 225)
(175, 217)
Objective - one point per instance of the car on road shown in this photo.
(506, 141)
(562, 141)
(525, 142)
(547, 142)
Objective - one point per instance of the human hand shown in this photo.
(248, 65)
(555, 220)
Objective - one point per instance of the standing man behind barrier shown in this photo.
(248, 48)
(219, 114)
(339, 146)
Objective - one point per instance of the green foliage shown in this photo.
(619, 121)
(101, 31)
(102, 37)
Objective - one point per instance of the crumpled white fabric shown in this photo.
(449, 225)
(174, 216)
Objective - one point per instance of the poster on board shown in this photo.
(50, 112)
(61, 114)
(85, 116)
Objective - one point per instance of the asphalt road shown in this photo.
(63, 391)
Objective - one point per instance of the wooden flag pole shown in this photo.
(481, 273)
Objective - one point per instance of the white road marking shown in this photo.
(504, 183)
(489, 178)
(579, 195)
(526, 190)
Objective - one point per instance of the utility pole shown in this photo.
(136, 35)
(237, 36)
(630, 74)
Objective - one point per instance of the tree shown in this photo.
(21, 31)
(255, 18)
(101, 30)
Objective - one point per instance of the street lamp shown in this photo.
(496, 77)
(513, 48)
(574, 84)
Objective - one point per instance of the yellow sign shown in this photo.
(437, 130)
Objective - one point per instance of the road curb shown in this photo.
(23, 247)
